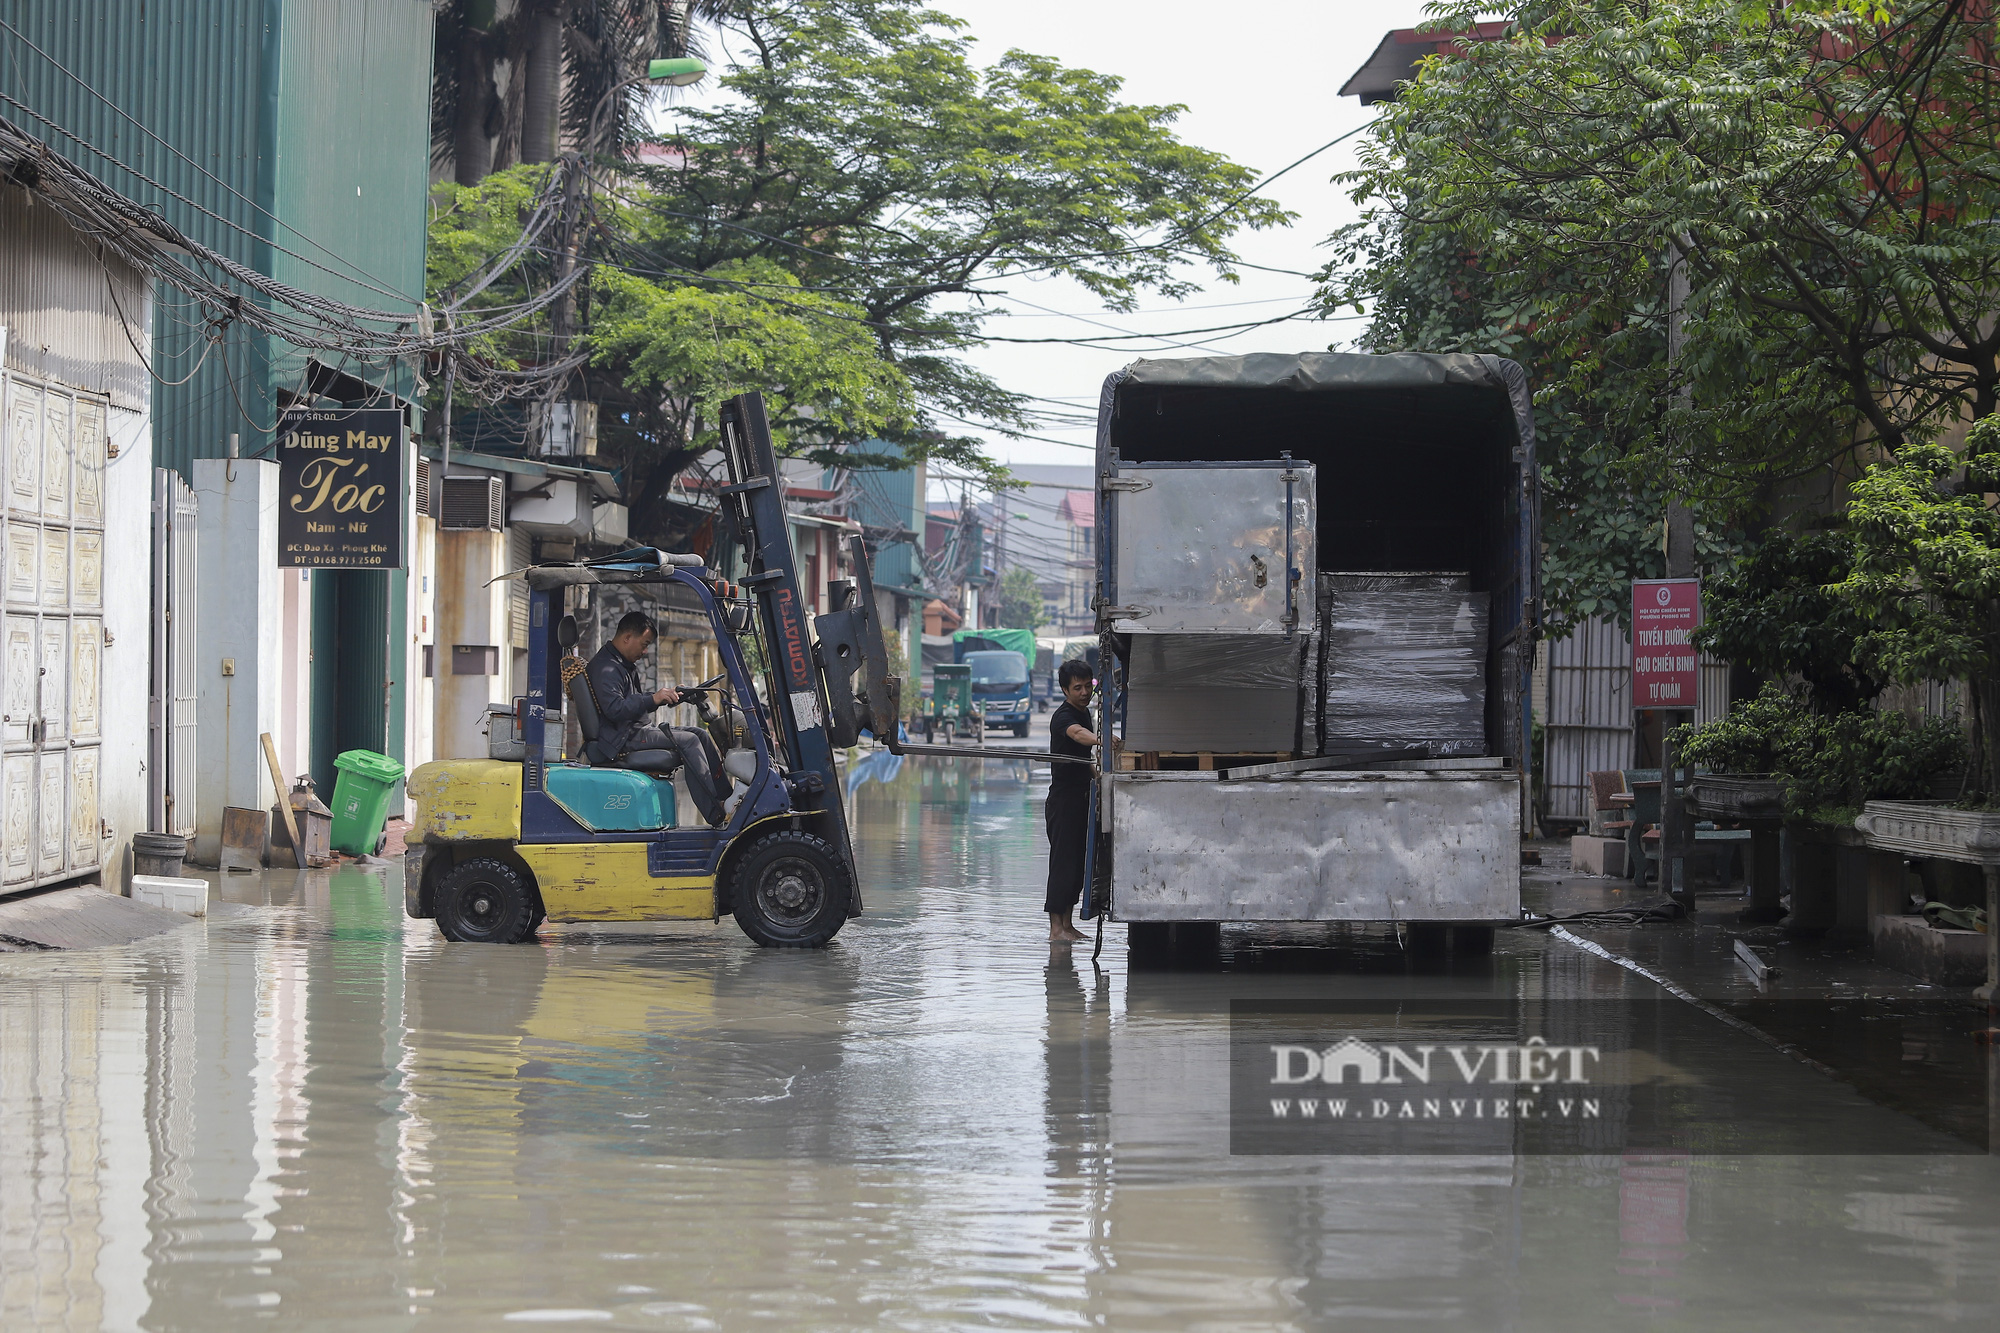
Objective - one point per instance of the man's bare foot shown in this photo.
(1068, 935)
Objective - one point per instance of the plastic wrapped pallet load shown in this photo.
(1226, 693)
(1402, 665)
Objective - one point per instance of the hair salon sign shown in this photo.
(341, 474)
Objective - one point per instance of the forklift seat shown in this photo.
(576, 680)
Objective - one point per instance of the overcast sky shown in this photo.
(1259, 79)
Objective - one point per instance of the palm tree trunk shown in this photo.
(541, 119)
(471, 144)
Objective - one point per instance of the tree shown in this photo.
(843, 217)
(864, 152)
(1021, 605)
(1821, 176)
(679, 349)
(563, 61)
(1774, 613)
(1926, 577)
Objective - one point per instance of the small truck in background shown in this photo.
(1317, 590)
(1002, 662)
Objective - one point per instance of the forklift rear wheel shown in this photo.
(790, 890)
(487, 901)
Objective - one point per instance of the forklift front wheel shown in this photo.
(790, 890)
(487, 901)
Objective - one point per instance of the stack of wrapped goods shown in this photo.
(1402, 666)
(1218, 692)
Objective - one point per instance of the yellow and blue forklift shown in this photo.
(497, 845)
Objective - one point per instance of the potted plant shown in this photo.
(1926, 572)
(1774, 615)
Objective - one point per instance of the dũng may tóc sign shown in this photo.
(340, 503)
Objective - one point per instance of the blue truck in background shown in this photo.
(999, 659)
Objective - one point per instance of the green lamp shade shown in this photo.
(680, 71)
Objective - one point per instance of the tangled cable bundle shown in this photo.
(230, 292)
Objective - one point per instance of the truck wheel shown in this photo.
(487, 901)
(1021, 731)
(790, 890)
(1426, 939)
(1470, 940)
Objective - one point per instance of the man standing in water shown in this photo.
(1067, 815)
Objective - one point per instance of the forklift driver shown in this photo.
(623, 705)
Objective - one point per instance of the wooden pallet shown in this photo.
(1146, 761)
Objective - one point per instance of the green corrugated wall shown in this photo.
(293, 136)
(250, 125)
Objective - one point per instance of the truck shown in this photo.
(1001, 662)
(1317, 586)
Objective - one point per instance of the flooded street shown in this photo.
(318, 1112)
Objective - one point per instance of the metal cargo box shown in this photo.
(1317, 846)
(1204, 548)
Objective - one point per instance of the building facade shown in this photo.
(76, 487)
(291, 136)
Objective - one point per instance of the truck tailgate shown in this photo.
(1317, 846)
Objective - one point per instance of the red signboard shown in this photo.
(1664, 615)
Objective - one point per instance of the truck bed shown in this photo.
(1317, 846)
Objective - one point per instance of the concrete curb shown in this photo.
(86, 917)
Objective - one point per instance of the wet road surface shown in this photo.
(320, 1114)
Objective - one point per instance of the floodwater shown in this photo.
(319, 1113)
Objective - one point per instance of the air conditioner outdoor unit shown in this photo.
(426, 488)
(472, 504)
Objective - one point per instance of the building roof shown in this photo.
(1078, 507)
(603, 483)
(1395, 59)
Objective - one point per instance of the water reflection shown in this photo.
(323, 1111)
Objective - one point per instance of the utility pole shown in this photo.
(1676, 820)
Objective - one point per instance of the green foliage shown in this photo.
(471, 227)
(1021, 605)
(865, 152)
(824, 380)
(832, 230)
(1827, 760)
(1821, 175)
(1926, 574)
(1773, 612)
(1926, 568)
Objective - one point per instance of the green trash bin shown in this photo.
(361, 800)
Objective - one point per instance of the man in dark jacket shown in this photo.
(624, 707)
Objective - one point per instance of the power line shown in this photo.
(226, 291)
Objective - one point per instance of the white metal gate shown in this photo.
(1589, 722)
(170, 755)
(52, 533)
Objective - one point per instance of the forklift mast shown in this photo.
(807, 728)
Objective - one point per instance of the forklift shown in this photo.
(498, 846)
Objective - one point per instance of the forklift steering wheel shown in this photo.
(688, 692)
